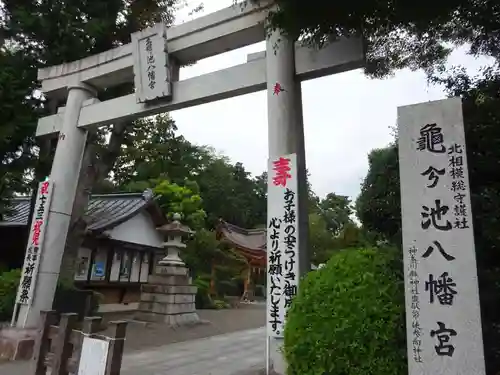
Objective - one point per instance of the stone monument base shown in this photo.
(168, 297)
(17, 343)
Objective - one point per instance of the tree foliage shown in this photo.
(336, 210)
(354, 306)
(184, 200)
(398, 34)
(8, 292)
(36, 34)
(379, 207)
(231, 193)
(209, 259)
(153, 149)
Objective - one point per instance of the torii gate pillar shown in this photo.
(64, 174)
(286, 136)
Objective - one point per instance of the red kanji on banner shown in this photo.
(45, 188)
(36, 232)
(281, 167)
(278, 88)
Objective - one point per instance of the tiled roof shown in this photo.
(251, 239)
(103, 212)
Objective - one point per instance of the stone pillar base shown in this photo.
(17, 343)
(168, 298)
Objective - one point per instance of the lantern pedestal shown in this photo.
(168, 297)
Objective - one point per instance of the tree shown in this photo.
(336, 211)
(321, 241)
(212, 262)
(397, 34)
(18, 113)
(184, 200)
(47, 33)
(378, 205)
(152, 149)
(230, 193)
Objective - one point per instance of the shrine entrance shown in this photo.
(152, 61)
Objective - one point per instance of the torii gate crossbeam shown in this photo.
(238, 80)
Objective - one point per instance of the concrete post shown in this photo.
(64, 174)
(286, 136)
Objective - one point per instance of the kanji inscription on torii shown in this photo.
(442, 301)
(151, 64)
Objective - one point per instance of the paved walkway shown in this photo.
(228, 354)
(221, 322)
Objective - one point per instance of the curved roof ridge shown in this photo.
(239, 229)
(253, 240)
(104, 211)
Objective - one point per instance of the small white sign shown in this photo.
(442, 301)
(34, 249)
(151, 64)
(94, 357)
(282, 240)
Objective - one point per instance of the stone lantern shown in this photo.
(173, 233)
(168, 297)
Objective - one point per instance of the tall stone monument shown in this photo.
(443, 316)
(168, 297)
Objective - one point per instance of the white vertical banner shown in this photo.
(444, 333)
(34, 248)
(282, 240)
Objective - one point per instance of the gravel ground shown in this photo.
(216, 322)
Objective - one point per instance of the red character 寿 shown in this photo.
(281, 167)
(278, 88)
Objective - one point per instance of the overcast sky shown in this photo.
(345, 116)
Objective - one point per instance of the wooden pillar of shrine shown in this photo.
(212, 280)
(246, 283)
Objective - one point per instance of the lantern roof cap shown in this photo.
(175, 227)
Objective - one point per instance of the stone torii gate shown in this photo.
(152, 62)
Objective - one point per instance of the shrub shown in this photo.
(69, 299)
(221, 304)
(8, 290)
(9, 282)
(348, 317)
(260, 290)
(203, 300)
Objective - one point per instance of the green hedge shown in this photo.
(348, 317)
(9, 281)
